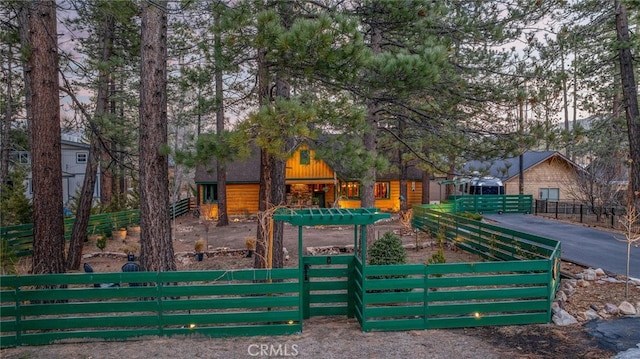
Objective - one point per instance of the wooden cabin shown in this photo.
(310, 181)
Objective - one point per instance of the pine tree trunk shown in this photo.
(223, 217)
(42, 77)
(83, 212)
(404, 206)
(156, 247)
(426, 180)
(630, 92)
(264, 197)
(264, 192)
(6, 122)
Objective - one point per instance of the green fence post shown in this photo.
(18, 314)
(302, 301)
(425, 300)
(350, 288)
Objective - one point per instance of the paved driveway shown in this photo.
(581, 244)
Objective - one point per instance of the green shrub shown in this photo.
(475, 216)
(101, 242)
(387, 249)
(438, 257)
(8, 258)
(15, 207)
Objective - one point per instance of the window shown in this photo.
(381, 190)
(350, 190)
(550, 194)
(305, 157)
(81, 157)
(210, 193)
(21, 157)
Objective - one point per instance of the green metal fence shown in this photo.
(493, 203)
(515, 286)
(40, 309)
(20, 238)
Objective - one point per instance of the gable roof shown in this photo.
(508, 168)
(239, 171)
(248, 170)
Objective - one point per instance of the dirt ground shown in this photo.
(333, 337)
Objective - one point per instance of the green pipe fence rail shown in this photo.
(42, 309)
(20, 238)
(493, 203)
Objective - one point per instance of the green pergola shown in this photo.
(357, 217)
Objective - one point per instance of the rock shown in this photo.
(563, 318)
(589, 274)
(568, 289)
(572, 282)
(600, 272)
(561, 296)
(611, 309)
(627, 308)
(583, 283)
(609, 280)
(555, 307)
(594, 307)
(591, 314)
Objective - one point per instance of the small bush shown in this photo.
(438, 257)
(101, 242)
(387, 249)
(475, 216)
(8, 258)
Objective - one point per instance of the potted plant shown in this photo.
(199, 249)
(118, 232)
(133, 227)
(250, 243)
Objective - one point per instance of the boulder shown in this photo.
(627, 308)
(589, 274)
(563, 318)
(611, 309)
(591, 314)
(583, 283)
(555, 307)
(561, 296)
(608, 280)
(568, 288)
(600, 273)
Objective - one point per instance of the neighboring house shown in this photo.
(75, 155)
(547, 174)
(310, 182)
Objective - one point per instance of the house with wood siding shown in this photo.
(310, 181)
(547, 174)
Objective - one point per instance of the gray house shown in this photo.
(75, 155)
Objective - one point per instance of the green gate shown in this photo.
(328, 281)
